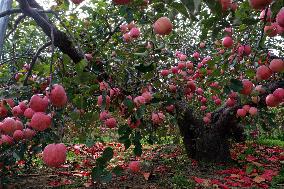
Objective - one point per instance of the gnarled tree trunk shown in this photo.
(211, 142)
(207, 142)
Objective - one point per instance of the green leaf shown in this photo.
(117, 170)
(16, 156)
(137, 144)
(236, 85)
(129, 104)
(97, 172)
(106, 177)
(89, 142)
(189, 4)
(249, 169)
(100, 174)
(140, 111)
(81, 65)
(144, 54)
(125, 140)
(108, 154)
(216, 72)
(159, 7)
(250, 73)
(227, 89)
(138, 150)
(215, 6)
(276, 6)
(249, 21)
(145, 68)
(105, 157)
(180, 8)
(127, 144)
(124, 130)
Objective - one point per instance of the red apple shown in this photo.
(163, 26)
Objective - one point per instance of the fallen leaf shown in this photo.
(206, 183)
(235, 176)
(198, 180)
(256, 164)
(258, 179)
(146, 176)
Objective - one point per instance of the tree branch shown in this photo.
(34, 61)
(262, 34)
(17, 11)
(17, 22)
(9, 12)
(61, 40)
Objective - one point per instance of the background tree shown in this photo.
(5, 5)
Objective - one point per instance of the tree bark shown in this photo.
(212, 142)
(205, 142)
(61, 40)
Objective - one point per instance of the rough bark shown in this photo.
(205, 142)
(61, 40)
(211, 142)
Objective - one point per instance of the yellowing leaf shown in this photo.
(146, 176)
(258, 179)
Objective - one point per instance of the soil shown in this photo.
(162, 167)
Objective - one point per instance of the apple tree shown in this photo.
(212, 69)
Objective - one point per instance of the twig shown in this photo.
(109, 35)
(17, 11)
(15, 58)
(9, 12)
(51, 60)
(262, 34)
(34, 61)
(17, 22)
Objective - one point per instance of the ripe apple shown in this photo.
(163, 26)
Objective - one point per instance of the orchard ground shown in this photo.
(255, 164)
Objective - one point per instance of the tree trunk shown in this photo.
(211, 142)
(206, 142)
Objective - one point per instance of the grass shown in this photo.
(278, 181)
(270, 142)
(180, 181)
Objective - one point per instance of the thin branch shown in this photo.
(276, 57)
(17, 11)
(262, 34)
(17, 22)
(51, 60)
(34, 61)
(16, 58)
(9, 12)
(116, 29)
(109, 35)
